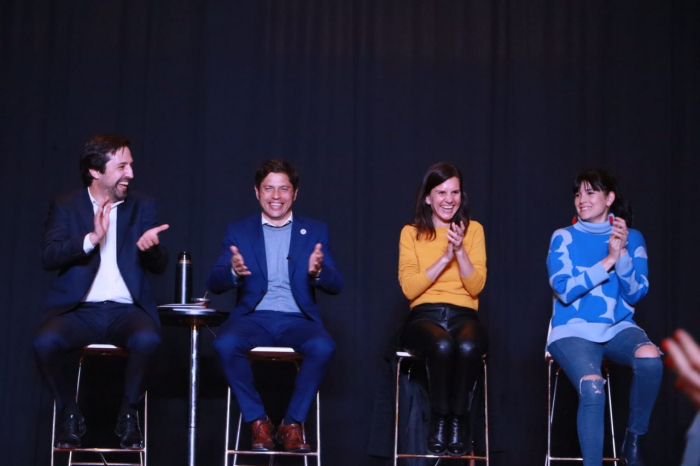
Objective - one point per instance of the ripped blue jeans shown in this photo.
(580, 358)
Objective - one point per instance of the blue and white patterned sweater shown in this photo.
(588, 301)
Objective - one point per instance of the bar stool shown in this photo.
(551, 399)
(101, 350)
(271, 354)
(402, 355)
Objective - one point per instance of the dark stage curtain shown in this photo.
(362, 96)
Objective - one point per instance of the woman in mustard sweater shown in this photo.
(442, 270)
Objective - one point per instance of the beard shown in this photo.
(116, 194)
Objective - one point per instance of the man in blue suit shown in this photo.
(102, 243)
(276, 261)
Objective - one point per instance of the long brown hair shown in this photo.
(423, 214)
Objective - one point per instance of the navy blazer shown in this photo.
(248, 237)
(70, 219)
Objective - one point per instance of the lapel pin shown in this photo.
(303, 231)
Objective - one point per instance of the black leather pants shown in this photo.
(452, 341)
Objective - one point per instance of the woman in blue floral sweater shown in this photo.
(598, 272)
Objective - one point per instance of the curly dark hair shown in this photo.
(277, 166)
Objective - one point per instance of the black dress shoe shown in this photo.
(71, 429)
(437, 435)
(129, 432)
(630, 450)
(458, 436)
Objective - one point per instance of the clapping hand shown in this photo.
(100, 222)
(316, 261)
(618, 238)
(237, 263)
(455, 235)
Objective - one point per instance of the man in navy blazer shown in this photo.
(276, 261)
(102, 243)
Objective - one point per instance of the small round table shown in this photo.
(193, 316)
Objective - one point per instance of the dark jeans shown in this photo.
(452, 341)
(238, 335)
(123, 325)
(580, 358)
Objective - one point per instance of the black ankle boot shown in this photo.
(437, 434)
(459, 435)
(630, 450)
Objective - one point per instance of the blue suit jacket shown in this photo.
(70, 219)
(247, 236)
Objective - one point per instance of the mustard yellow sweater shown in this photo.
(416, 256)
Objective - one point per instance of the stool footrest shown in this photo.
(554, 458)
(270, 453)
(443, 457)
(102, 463)
(100, 450)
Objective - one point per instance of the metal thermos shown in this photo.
(183, 279)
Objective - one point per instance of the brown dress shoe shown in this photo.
(292, 437)
(263, 432)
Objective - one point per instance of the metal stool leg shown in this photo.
(551, 398)
(318, 429)
(144, 455)
(228, 429)
(238, 437)
(53, 432)
(610, 411)
(486, 411)
(396, 412)
(228, 419)
(77, 392)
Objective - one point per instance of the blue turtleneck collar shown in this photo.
(593, 228)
